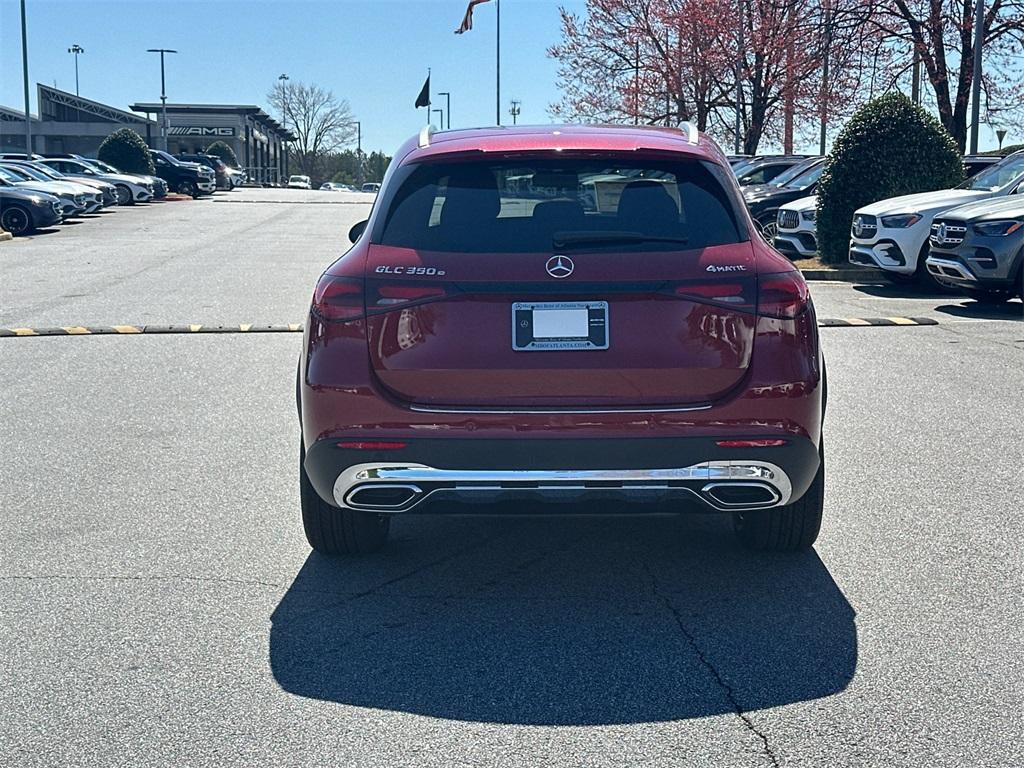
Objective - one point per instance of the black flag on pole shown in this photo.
(423, 100)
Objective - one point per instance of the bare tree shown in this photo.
(652, 61)
(321, 122)
(940, 33)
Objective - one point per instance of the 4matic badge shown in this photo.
(727, 268)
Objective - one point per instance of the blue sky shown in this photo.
(375, 54)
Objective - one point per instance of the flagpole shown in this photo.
(497, 68)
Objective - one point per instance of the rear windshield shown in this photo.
(527, 206)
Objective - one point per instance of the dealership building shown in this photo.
(70, 123)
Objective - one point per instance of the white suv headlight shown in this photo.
(900, 220)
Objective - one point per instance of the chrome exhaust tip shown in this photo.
(382, 497)
(741, 495)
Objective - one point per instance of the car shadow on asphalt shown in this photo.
(1011, 310)
(564, 621)
(887, 290)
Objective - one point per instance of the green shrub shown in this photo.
(890, 147)
(125, 150)
(224, 152)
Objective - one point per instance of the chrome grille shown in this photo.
(788, 220)
(864, 227)
(947, 234)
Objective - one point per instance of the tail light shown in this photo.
(344, 298)
(766, 443)
(362, 445)
(736, 294)
(782, 295)
(339, 298)
(391, 295)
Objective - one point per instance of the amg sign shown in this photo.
(200, 130)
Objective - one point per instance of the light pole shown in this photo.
(283, 79)
(163, 92)
(24, 68)
(76, 49)
(515, 110)
(979, 41)
(447, 105)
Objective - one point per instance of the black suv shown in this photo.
(219, 168)
(764, 200)
(186, 178)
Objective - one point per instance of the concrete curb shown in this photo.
(5, 236)
(849, 275)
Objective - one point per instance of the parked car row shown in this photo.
(43, 190)
(970, 238)
(333, 186)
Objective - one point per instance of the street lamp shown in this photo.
(283, 79)
(515, 110)
(163, 91)
(24, 70)
(447, 105)
(440, 112)
(76, 49)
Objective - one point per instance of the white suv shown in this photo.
(892, 235)
(797, 232)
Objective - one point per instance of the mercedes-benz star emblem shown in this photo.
(858, 227)
(942, 233)
(559, 266)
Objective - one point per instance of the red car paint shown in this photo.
(411, 345)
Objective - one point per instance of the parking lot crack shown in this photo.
(730, 694)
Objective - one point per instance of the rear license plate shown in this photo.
(559, 325)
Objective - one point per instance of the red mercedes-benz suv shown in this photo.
(560, 313)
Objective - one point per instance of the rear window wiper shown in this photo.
(573, 239)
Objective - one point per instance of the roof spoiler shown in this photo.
(425, 133)
(692, 135)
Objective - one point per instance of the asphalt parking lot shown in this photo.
(161, 607)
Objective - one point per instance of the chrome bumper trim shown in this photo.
(492, 485)
(556, 410)
(949, 269)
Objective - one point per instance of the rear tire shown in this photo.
(334, 531)
(791, 528)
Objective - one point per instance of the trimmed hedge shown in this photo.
(224, 152)
(890, 147)
(125, 150)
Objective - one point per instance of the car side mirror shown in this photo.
(357, 230)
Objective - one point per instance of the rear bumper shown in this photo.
(427, 474)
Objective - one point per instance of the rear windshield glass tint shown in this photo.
(525, 206)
